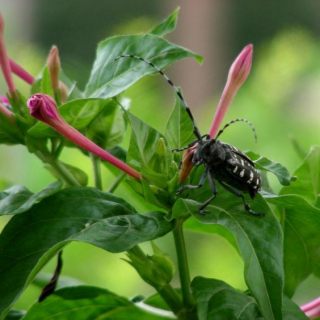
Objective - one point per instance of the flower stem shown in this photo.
(183, 267)
(59, 168)
(96, 163)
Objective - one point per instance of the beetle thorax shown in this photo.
(209, 152)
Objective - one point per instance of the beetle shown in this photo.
(224, 163)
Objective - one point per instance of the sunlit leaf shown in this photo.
(87, 303)
(215, 299)
(260, 244)
(179, 130)
(46, 86)
(109, 78)
(262, 163)
(167, 26)
(108, 129)
(301, 225)
(308, 174)
(31, 239)
(19, 199)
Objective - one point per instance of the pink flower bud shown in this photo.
(21, 73)
(54, 66)
(312, 309)
(238, 73)
(4, 60)
(186, 164)
(44, 108)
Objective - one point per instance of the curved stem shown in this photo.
(96, 163)
(59, 168)
(183, 266)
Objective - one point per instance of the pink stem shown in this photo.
(7, 112)
(21, 73)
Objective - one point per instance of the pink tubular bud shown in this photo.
(238, 73)
(44, 108)
(186, 164)
(312, 309)
(4, 59)
(54, 66)
(21, 73)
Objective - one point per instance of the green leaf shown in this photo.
(78, 113)
(262, 163)
(179, 130)
(166, 26)
(88, 215)
(143, 152)
(155, 300)
(109, 78)
(108, 129)
(260, 244)
(301, 225)
(308, 173)
(87, 303)
(217, 300)
(15, 314)
(19, 199)
(9, 132)
(291, 311)
(46, 86)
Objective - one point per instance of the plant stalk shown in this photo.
(96, 163)
(59, 168)
(183, 266)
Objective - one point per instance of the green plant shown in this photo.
(279, 250)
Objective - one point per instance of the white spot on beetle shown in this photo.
(242, 173)
(235, 169)
(242, 162)
(251, 177)
(257, 183)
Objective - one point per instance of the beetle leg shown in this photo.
(214, 189)
(189, 186)
(238, 194)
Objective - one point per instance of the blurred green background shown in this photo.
(281, 98)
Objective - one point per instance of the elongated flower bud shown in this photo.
(186, 164)
(238, 73)
(44, 108)
(54, 66)
(4, 60)
(312, 309)
(21, 73)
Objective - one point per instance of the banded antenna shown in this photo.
(195, 128)
(238, 120)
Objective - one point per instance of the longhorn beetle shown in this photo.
(224, 163)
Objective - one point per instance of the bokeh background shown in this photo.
(281, 97)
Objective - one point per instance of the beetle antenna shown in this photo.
(195, 128)
(238, 120)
